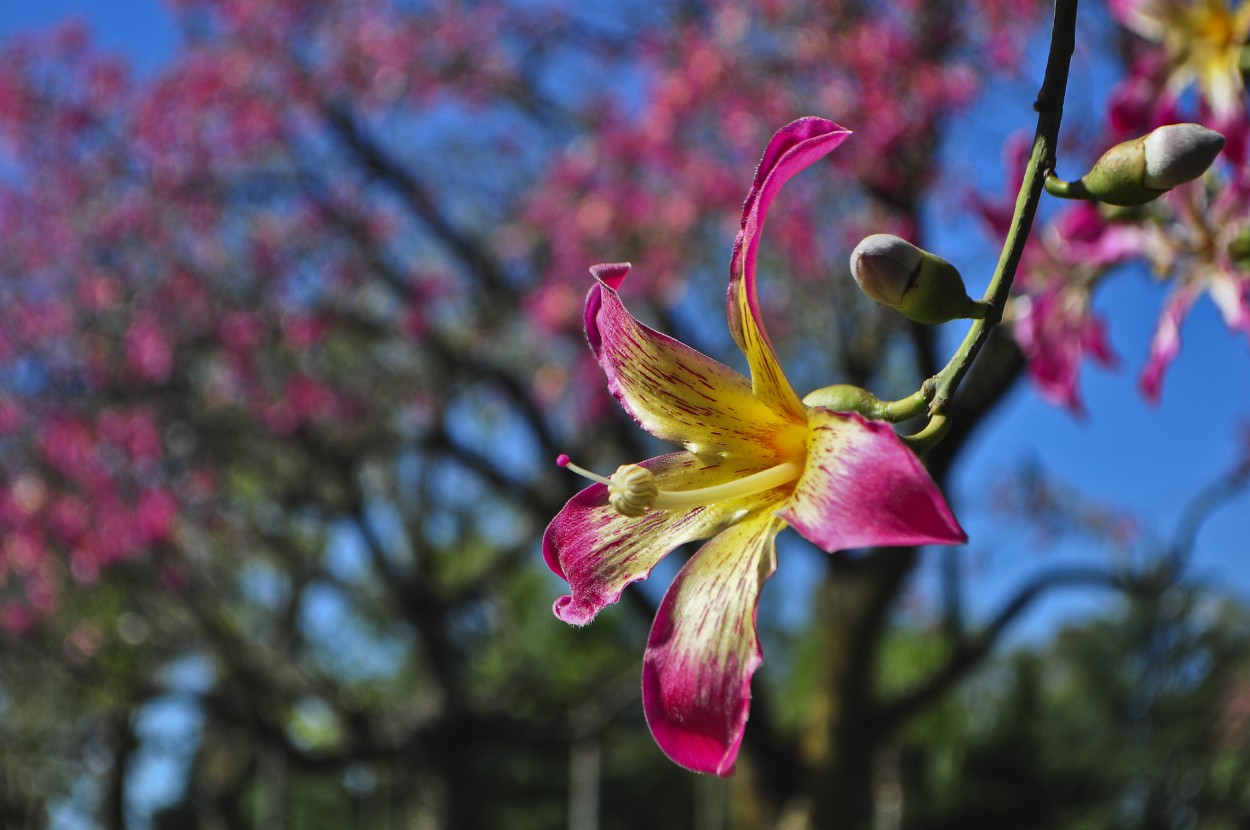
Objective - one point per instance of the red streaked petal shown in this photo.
(703, 649)
(863, 486)
(675, 392)
(794, 147)
(598, 551)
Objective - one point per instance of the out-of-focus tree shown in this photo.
(1127, 721)
(290, 334)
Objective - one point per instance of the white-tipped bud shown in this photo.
(884, 266)
(901, 276)
(1140, 170)
(1179, 153)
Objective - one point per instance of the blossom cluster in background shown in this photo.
(260, 243)
(1185, 64)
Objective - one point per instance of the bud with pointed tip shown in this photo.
(1179, 153)
(1135, 172)
(921, 285)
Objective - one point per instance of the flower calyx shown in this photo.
(921, 285)
(843, 397)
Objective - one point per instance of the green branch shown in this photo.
(1049, 107)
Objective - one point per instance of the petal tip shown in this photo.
(572, 612)
(683, 742)
(611, 274)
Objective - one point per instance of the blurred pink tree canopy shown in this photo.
(291, 334)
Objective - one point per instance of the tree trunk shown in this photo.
(842, 735)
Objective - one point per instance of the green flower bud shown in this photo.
(1135, 172)
(921, 285)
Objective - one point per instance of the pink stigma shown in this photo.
(562, 460)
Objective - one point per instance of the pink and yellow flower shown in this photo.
(1203, 40)
(756, 458)
(1202, 250)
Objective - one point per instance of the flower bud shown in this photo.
(1179, 153)
(921, 285)
(1135, 172)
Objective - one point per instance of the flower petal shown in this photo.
(1145, 17)
(1166, 342)
(863, 486)
(675, 392)
(598, 551)
(794, 147)
(1230, 291)
(696, 674)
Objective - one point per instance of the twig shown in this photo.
(471, 252)
(1049, 106)
(969, 653)
(1200, 508)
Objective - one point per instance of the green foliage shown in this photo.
(1123, 722)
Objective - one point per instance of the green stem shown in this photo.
(927, 438)
(978, 310)
(1064, 189)
(843, 397)
(909, 407)
(1049, 106)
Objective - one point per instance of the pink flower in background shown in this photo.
(11, 415)
(154, 515)
(148, 351)
(1054, 321)
(1140, 102)
(1051, 312)
(1166, 342)
(1201, 250)
(1203, 41)
(755, 460)
(1200, 45)
(1057, 331)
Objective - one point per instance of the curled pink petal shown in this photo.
(703, 649)
(794, 148)
(862, 486)
(611, 274)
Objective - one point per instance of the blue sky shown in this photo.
(141, 29)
